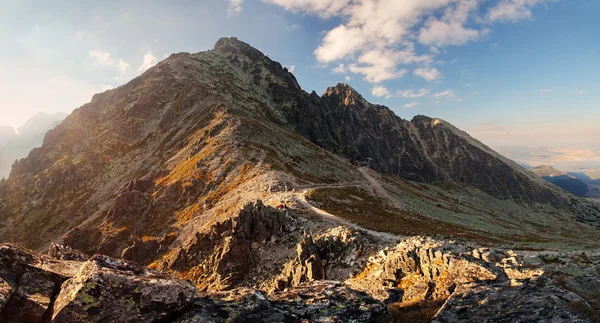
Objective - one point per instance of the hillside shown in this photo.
(212, 166)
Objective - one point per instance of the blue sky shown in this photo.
(509, 72)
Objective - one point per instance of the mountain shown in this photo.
(16, 144)
(575, 183)
(6, 134)
(213, 166)
(547, 171)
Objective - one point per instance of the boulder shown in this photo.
(62, 252)
(316, 301)
(111, 290)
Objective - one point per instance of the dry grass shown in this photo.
(375, 214)
(416, 311)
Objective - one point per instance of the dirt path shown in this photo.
(301, 199)
(379, 190)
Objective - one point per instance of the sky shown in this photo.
(512, 73)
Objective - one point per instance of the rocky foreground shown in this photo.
(420, 279)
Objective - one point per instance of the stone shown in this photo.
(110, 290)
(61, 252)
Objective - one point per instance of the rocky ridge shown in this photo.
(419, 279)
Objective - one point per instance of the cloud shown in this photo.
(378, 39)
(410, 105)
(148, 61)
(450, 28)
(291, 68)
(122, 65)
(324, 8)
(545, 90)
(105, 59)
(340, 69)
(235, 7)
(428, 74)
(348, 78)
(511, 10)
(381, 91)
(444, 94)
(411, 94)
(580, 92)
(101, 58)
(293, 27)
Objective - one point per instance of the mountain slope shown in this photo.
(17, 144)
(153, 170)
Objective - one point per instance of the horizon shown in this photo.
(506, 72)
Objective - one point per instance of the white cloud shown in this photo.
(580, 92)
(377, 38)
(511, 10)
(428, 74)
(324, 8)
(148, 61)
(80, 34)
(410, 105)
(459, 100)
(105, 59)
(348, 78)
(381, 91)
(101, 57)
(235, 7)
(291, 68)
(340, 69)
(545, 90)
(293, 27)
(444, 94)
(450, 28)
(122, 65)
(412, 94)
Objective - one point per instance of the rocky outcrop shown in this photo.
(37, 288)
(223, 257)
(109, 290)
(446, 281)
(306, 267)
(317, 301)
(29, 283)
(325, 257)
(62, 252)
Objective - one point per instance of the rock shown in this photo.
(538, 301)
(317, 301)
(61, 252)
(492, 256)
(31, 299)
(6, 291)
(111, 290)
(307, 266)
(28, 283)
(227, 260)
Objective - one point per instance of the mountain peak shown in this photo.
(343, 93)
(233, 45)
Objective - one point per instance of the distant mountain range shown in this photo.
(578, 184)
(17, 143)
